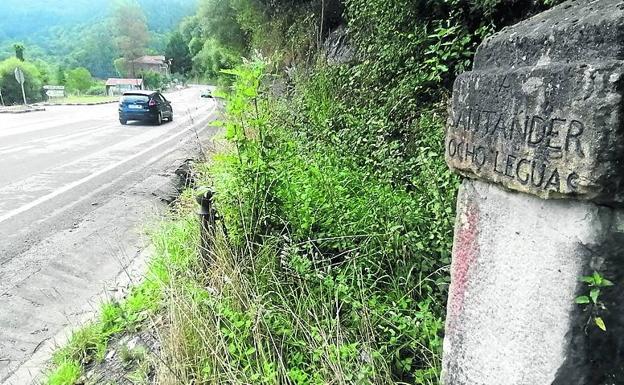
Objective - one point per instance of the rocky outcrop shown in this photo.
(336, 47)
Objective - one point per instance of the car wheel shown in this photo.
(159, 119)
(123, 121)
(171, 118)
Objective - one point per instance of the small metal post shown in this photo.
(207, 218)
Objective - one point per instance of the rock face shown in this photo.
(336, 47)
(541, 112)
(537, 129)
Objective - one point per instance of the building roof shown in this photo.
(151, 60)
(124, 82)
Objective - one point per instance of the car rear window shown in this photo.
(134, 98)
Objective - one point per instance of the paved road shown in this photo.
(76, 192)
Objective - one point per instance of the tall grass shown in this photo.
(327, 275)
(265, 318)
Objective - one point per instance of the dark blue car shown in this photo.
(146, 106)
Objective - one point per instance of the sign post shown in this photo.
(19, 76)
(54, 91)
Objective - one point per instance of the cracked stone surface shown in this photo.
(541, 110)
(537, 129)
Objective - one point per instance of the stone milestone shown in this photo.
(537, 130)
(541, 111)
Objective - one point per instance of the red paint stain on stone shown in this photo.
(465, 253)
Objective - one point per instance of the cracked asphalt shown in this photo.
(77, 191)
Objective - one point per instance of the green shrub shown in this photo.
(153, 80)
(11, 89)
(213, 57)
(96, 90)
(351, 241)
(79, 80)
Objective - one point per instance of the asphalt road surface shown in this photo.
(77, 191)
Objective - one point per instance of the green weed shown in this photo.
(67, 372)
(591, 300)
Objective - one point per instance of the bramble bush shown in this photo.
(365, 256)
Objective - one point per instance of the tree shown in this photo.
(219, 21)
(79, 79)
(178, 52)
(215, 36)
(214, 57)
(94, 49)
(152, 80)
(122, 66)
(45, 70)
(11, 89)
(61, 79)
(19, 51)
(130, 28)
(191, 31)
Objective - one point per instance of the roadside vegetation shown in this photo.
(330, 260)
(78, 82)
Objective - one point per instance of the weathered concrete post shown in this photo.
(537, 129)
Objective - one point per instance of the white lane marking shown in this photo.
(16, 149)
(57, 138)
(86, 179)
(50, 122)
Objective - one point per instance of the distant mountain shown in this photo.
(23, 19)
(57, 29)
(27, 19)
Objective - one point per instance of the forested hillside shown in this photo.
(78, 33)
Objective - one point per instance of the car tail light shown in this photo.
(152, 103)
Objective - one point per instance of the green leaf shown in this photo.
(588, 279)
(600, 323)
(597, 278)
(593, 294)
(606, 282)
(583, 299)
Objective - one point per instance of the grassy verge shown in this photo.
(84, 99)
(175, 251)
